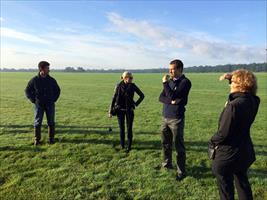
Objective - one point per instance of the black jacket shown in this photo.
(123, 96)
(172, 90)
(42, 90)
(233, 135)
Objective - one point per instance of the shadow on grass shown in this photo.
(60, 129)
(69, 129)
(200, 172)
(199, 146)
(21, 148)
(261, 173)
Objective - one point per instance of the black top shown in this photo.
(175, 90)
(233, 135)
(123, 96)
(42, 90)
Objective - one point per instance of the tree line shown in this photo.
(255, 67)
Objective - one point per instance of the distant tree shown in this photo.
(80, 69)
(69, 69)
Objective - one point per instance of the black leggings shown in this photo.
(228, 175)
(129, 115)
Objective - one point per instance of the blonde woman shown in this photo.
(123, 106)
(234, 152)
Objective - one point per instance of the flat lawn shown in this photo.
(86, 162)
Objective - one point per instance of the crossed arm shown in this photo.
(169, 96)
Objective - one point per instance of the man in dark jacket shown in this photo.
(174, 97)
(234, 149)
(43, 91)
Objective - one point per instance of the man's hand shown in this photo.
(226, 76)
(109, 115)
(174, 101)
(165, 78)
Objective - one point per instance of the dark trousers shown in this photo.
(173, 132)
(129, 116)
(227, 175)
(39, 110)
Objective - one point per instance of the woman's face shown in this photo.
(128, 79)
(234, 87)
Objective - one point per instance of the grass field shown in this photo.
(86, 162)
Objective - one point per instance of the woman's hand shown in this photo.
(226, 76)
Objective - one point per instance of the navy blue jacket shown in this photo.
(42, 90)
(175, 90)
(233, 135)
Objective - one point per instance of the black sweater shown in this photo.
(123, 96)
(42, 90)
(175, 90)
(233, 135)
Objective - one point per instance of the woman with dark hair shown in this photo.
(123, 106)
(234, 152)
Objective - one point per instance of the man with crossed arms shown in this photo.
(174, 97)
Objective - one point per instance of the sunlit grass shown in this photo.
(86, 162)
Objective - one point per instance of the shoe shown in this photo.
(37, 143)
(128, 150)
(180, 176)
(167, 166)
(51, 141)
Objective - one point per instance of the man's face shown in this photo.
(173, 71)
(44, 71)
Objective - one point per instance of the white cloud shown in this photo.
(11, 33)
(198, 43)
(143, 29)
(1, 19)
(150, 46)
(86, 50)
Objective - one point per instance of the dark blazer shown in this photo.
(175, 90)
(42, 90)
(233, 135)
(123, 96)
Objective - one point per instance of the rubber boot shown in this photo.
(37, 135)
(51, 133)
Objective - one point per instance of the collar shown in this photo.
(235, 95)
(177, 79)
(124, 84)
(42, 76)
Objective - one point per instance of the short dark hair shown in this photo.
(43, 64)
(178, 64)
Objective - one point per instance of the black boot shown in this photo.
(180, 159)
(37, 135)
(51, 133)
(167, 156)
(129, 147)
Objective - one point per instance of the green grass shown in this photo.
(86, 163)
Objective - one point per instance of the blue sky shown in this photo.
(131, 34)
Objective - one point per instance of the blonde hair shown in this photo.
(126, 74)
(245, 81)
